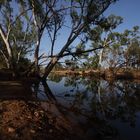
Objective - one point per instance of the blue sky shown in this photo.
(129, 10)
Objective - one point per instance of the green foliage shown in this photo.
(26, 25)
(118, 48)
(110, 23)
(79, 48)
(58, 66)
(20, 35)
(92, 62)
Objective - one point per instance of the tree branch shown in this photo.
(81, 52)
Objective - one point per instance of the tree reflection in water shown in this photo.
(97, 105)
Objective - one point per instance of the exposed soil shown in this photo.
(21, 120)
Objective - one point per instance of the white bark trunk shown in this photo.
(100, 57)
(6, 59)
(7, 44)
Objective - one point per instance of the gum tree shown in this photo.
(47, 20)
(16, 34)
(104, 35)
(80, 14)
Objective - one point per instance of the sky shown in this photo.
(129, 10)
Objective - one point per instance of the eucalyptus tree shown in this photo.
(104, 35)
(125, 51)
(132, 52)
(77, 16)
(16, 33)
(119, 49)
(35, 20)
(133, 55)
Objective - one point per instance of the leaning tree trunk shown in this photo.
(49, 67)
(73, 35)
(36, 58)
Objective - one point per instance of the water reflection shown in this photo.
(110, 108)
(97, 108)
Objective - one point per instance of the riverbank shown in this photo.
(107, 73)
(104, 73)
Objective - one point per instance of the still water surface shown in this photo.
(103, 109)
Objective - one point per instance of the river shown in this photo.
(98, 109)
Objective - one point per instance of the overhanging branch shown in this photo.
(76, 53)
(81, 52)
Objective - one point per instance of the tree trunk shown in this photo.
(49, 67)
(36, 58)
(100, 58)
(5, 58)
(48, 92)
(73, 35)
(8, 47)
